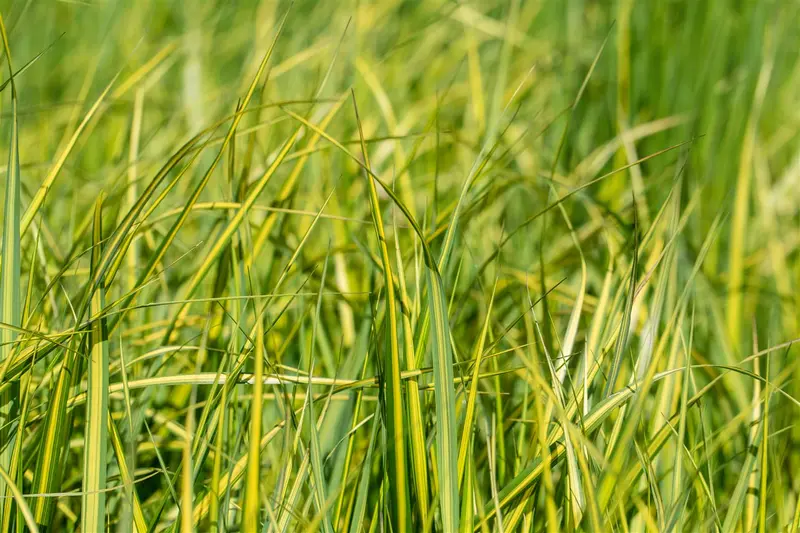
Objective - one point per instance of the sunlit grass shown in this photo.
(400, 266)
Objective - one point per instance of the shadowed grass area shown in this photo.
(400, 266)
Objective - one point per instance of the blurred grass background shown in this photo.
(631, 168)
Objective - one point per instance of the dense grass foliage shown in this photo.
(513, 265)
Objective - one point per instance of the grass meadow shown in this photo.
(396, 266)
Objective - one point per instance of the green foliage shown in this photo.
(400, 266)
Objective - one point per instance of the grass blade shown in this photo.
(93, 504)
(11, 306)
(444, 393)
(398, 474)
(251, 514)
(359, 509)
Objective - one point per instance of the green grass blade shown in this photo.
(363, 491)
(762, 491)
(11, 305)
(416, 425)
(93, 503)
(139, 522)
(444, 392)
(315, 452)
(39, 198)
(472, 395)
(739, 493)
(398, 474)
(467, 507)
(20, 499)
(251, 511)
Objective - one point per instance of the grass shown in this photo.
(400, 266)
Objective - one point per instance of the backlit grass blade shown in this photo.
(250, 518)
(11, 305)
(93, 503)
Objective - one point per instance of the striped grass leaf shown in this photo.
(139, 522)
(93, 502)
(186, 473)
(756, 416)
(16, 456)
(681, 435)
(416, 425)
(396, 441)
(444, 397)
(24, 412)
(10, 307)
(19, 498)
(47, 475)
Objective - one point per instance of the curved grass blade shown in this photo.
(20, 499)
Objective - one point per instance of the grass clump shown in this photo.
(399, 266)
